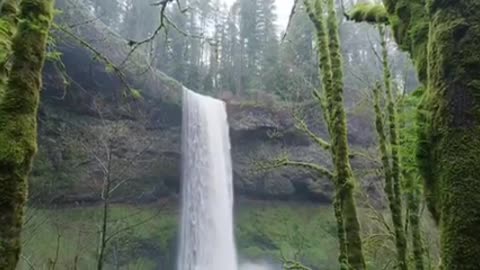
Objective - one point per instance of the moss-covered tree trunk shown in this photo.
(18, 122)
(454, 147)
(449, 151)
(414, 220)
(331, 101)
(393, 173)
(8, 27)
(316, 16)
(338, 130)
(395, 207)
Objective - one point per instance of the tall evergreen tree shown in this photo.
(233, 52)
(108, 11)
(139, 20)
(268, 45)
(249, 43)
(297, 59)
(177, 47)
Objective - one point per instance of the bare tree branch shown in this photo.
(164, 23)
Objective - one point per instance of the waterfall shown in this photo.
(206, 236)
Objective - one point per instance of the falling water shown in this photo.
(206, 238)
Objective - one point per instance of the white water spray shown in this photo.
(206, 238)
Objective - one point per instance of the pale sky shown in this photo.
(283, 11)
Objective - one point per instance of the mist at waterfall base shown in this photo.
(206, 234)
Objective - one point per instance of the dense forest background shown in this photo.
(240, 50)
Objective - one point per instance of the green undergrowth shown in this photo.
(146, 236)
(293, 231)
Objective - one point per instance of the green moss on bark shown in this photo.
(412, 181)
(18, 113)
(393, 186)
(316, 16)
(443, 40)
(325, 66)
(8, 27)
(414, 221)
(453, 133)
(331, 69)
(459, 194)
(409, 21)
(368, 12)
(343, 171)
(395, 208)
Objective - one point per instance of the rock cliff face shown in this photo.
(96, 127)
(145, 159)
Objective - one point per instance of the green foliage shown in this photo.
(408, 105)
(52, 178)
(147, 236)
(140, 236)
(54, 56)
(413, 186)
